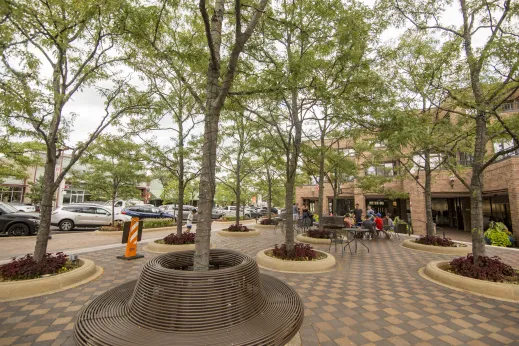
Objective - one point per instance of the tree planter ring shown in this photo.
(496, 290)
(14, 290)
(303, 238)
(165, 248)
(319, 266)
(226, 233)
(456, 251)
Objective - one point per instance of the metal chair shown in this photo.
(391, 231)
(335, 238)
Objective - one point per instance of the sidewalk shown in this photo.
(374, 298)
(79, 242)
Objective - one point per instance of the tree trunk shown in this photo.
(428, 196)
(292, 170)
(476, 189)
(181, 181)
(180, 213)
(321, 180)
(114, 196)
(49, 189)
(238, 202)
(269, 198)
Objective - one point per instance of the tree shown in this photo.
(114, 169)
(218, 88)
(236, 155)
(419, 133)
(50, 51)
(16, 157)
(487, 76)
(304, 46)
(180, 158)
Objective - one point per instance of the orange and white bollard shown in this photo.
(131, 244)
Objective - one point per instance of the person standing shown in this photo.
(295, 211)
(189, 223)
(370, 212)
(357, 212)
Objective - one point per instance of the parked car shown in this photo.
(231, 211)
(251, 213)
(71, 216)
(27, 208)
(14, 222)
(217, 214)
(147, 212)
(264, 211)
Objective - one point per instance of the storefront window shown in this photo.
(11, 194)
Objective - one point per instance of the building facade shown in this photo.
(450, 198)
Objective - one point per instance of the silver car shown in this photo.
(84, 215)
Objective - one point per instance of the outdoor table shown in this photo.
(354, 232)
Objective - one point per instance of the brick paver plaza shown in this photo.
(374, 298)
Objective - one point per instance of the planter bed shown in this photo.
(461, 250)
(316, 266)
(305, 239)
(13, 290)
(433, 272)
(250, 233)
(165, 248)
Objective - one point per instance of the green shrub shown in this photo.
(156, 223)
(498, 234)
(498, 238)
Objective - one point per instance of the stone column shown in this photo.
(418, 219)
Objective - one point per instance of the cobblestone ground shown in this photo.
(374, 298)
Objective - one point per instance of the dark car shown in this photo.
(13, 222)
(264, 211)
(147, 212)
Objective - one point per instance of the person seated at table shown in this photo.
(380, 225)
(347, 221)
(387, 221)
(369, 224)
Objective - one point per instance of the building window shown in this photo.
(465, 159)
(507, 106)
(386, 169)
(11, 194)
(505, 145)
(74, 196)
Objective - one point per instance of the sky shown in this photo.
(89, 105)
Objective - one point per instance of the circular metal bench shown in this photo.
(170, 304)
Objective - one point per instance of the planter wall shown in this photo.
(165, 248)
(260, 226)
(13, 290)
(318, 266)
(304, 239)
(251, 233)
(120, 233)
(456, 251)
(487, 288)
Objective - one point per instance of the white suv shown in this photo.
(84, 215)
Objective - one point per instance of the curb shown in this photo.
(14, 290)
(260, 226)
(302, 267)
(304, 239)
(455, 251)
(225, 233)
(494, 290)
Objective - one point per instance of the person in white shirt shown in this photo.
(189, 223)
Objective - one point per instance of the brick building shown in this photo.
(450, 198)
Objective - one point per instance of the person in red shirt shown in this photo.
(380, 224)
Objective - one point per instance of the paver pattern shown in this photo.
(374, 298)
